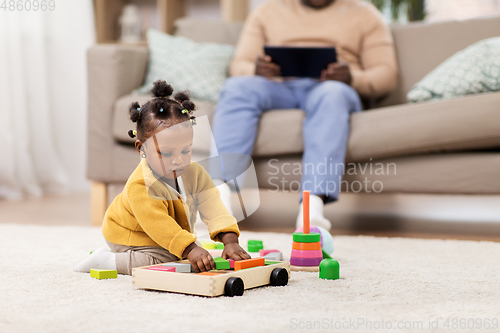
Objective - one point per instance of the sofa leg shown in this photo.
(99, 202)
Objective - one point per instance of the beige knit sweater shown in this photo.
(354, 27)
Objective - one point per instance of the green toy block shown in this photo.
(329, 269)
(255, 245)
(270, 262)
(221, 263)
(326, 255)
(219, 246)
(103, 274)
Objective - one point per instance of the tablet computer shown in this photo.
(301, 61)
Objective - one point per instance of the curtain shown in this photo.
(37, 58)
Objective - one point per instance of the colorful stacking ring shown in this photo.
(307, 254)
(300, 237)
(305, 261)
(306, 246)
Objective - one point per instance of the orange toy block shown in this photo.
(249, 263)
(209, 273)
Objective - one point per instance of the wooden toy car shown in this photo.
(213, 283)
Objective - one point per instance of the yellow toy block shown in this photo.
(103, 274)
(208, 245)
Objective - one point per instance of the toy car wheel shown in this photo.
(234, 287)
(279, 277)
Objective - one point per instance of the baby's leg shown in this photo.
(128, 257)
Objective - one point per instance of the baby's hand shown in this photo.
(200, 259)
(234, 251)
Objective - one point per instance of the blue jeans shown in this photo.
(327, 106)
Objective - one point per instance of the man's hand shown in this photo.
(200, 259)
(264, 67)
(338, 71)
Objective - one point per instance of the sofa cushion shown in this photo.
(473, 70)
(422, 46)
(200, 68)
(464, 123)
(470, 122)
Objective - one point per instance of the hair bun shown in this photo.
(135, 111)
(188, 105)
(162, 89)
(181, 96)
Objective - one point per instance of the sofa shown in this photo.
(448, 146)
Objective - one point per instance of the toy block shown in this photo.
(209, 273)
(162, 268)
(249, 263)
(271, 262)
(103, 274)
(221, 263)
(274, 256)
(262, 253)
(255, 245)
(305, 261)
(231, 263)
(219, 246)
(208, 245)
(329, 269)
(306, 246)
(306, 238)
(326, 255)
(179, 267)
(307, 254)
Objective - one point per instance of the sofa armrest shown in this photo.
(113, 70)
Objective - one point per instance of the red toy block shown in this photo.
(262, 253)
(231, 262)
(249, 263)
(162, 268)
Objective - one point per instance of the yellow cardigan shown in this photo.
(148, 213)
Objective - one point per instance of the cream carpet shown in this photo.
(385, 281)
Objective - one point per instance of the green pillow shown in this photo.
(200, 68)
(473, 70)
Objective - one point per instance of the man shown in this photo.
(367, 68)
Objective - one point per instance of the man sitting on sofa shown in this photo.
(367, 68)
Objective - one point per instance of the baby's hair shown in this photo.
(161, 108)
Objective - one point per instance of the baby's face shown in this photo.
(168, 151)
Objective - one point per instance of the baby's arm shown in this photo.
(200, 259)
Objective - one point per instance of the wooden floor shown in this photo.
(477, 222)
